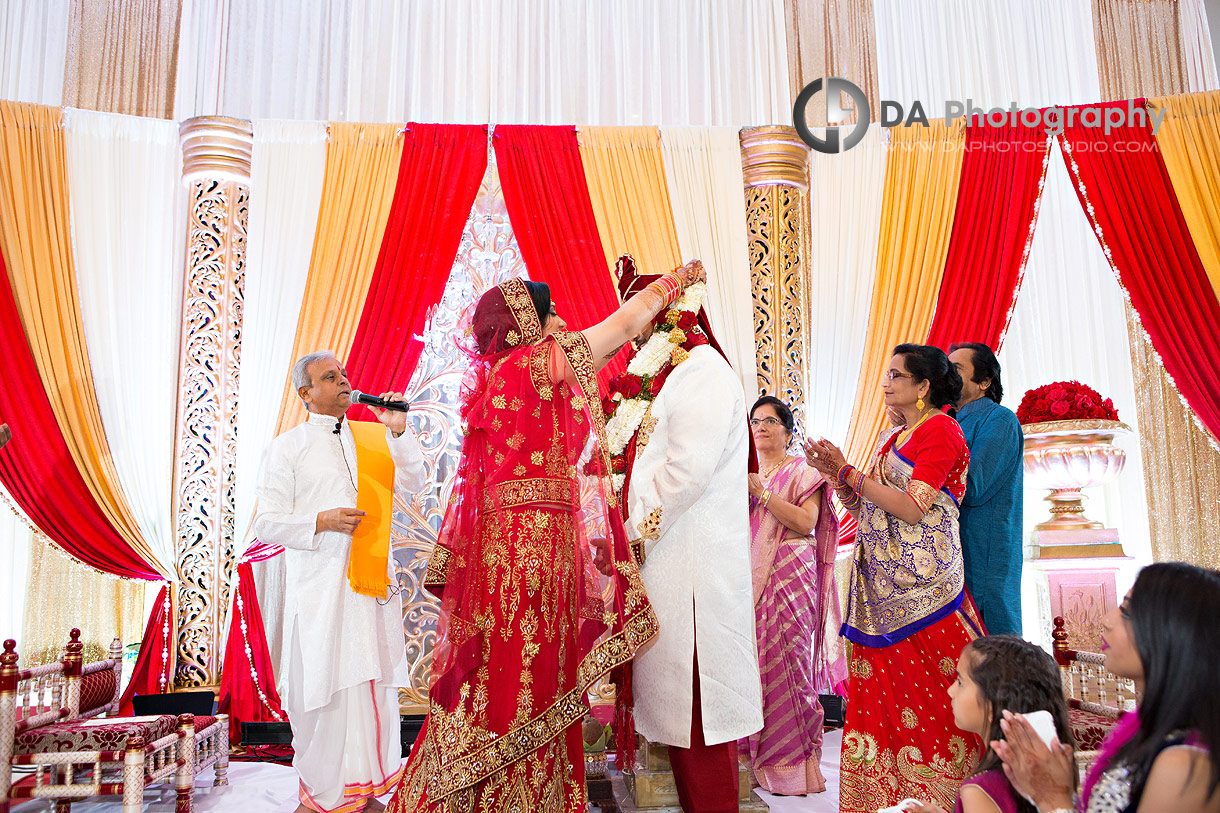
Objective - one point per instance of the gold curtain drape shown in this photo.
(1188, 144)
(1181, 467)
(626, 175)
(35, 236)
(357, 189)
(832, 38)
(1139, 48)
(64, 594)
(123, 56)
(921, 176)
(1181, 461)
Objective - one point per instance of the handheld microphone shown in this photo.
(359, 397)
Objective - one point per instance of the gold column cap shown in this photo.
(774, 156)
(216, 147)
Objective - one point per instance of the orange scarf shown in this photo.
(368, 564)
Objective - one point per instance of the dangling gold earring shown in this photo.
(919, 403)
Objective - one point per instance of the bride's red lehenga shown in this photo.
(527, 624)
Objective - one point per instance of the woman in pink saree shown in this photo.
(794, 535)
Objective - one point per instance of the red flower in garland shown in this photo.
(687, 321)
(630, 386)
(1065, 401)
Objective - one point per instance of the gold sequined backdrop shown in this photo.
(73, 595)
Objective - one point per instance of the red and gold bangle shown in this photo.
(846, 467)
(669, 287)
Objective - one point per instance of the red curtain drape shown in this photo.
(438, 178)
(1000, 182)
(1126, 191)
(552, 217)
(156, 654)
(37, 468)
(239, 688)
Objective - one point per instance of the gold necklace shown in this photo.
(767, 474)
(910, 430)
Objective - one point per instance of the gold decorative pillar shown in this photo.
(776, 166)
(216, 171)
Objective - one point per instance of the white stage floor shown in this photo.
(264, 787)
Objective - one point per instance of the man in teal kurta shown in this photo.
(991, 508)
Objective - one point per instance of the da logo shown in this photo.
(834, 87)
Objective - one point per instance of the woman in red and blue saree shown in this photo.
(908, 614)
(794, 535)
(527, 625)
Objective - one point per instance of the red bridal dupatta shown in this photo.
(527, 624)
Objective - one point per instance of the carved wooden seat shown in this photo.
(1096, 696)
(51, 721)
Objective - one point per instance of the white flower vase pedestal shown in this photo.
(1075, 559)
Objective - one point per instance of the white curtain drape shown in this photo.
(995, 52)
(703, 174)
(846, 193)
(286, 171)
(15, 541)
(1197, 46)
(33, 50)
(128, 216)
(1070, 324)
(629, 62)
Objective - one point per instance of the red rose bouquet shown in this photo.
(1065, 401)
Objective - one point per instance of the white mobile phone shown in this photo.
(1043, 724)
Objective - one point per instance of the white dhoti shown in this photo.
(348, 751)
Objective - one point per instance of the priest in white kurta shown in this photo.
(344, 654)
(697, 684)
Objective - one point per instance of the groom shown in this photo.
(697, 686)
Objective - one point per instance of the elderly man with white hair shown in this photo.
(344, 653)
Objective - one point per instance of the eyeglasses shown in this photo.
(768, 421)
(890, 375)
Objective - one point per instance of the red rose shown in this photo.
(630, 386)
(1059, 408)
(1042, 406)
(608, 406)
(654, 386)
(1056, 392)
(594, 467)
(618, 464)
(687, 320)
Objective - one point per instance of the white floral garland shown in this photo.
(649, 361)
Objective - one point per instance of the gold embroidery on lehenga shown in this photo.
(515, 493)
(873, 777)
(438, 567)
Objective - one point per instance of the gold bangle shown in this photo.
(766, 496)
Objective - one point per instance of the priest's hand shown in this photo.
(6, 434)
(339, 520)
(395, 421)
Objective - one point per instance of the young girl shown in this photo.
(996, 674)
